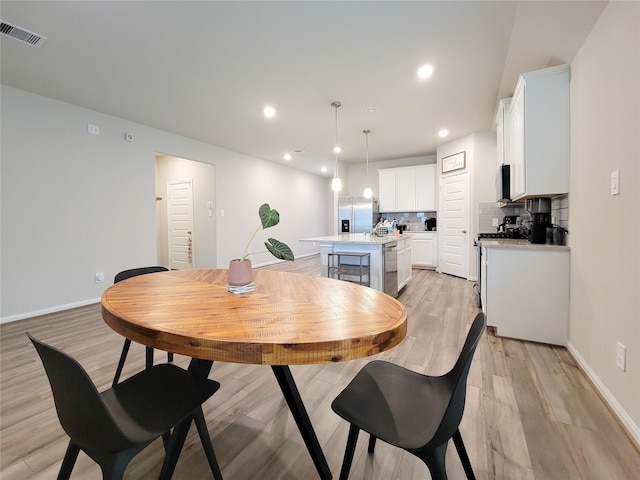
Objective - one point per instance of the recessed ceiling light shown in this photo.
(337, 149)
(443, 133)
(287, 156)
(269, 112)
(425, 71)
(371, 109)
(323, 169)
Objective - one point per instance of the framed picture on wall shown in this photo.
(454, 162)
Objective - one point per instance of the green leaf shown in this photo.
(279, 250)
(269, 217)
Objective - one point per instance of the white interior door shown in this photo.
(180, 212)
(453, 225)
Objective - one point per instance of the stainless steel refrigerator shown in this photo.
(357, 214)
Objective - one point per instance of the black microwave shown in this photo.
(503, 184)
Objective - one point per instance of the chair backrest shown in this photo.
(81, 410)
(456, 379)
(134, 272)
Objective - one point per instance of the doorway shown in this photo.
(453, 225)
(185, 202)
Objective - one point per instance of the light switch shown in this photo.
(615, 182)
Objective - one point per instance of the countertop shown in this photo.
(358, 238)
(520, 244)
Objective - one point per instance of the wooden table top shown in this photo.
(291, 319)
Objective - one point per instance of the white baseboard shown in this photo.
(608, 397)
(58, 308)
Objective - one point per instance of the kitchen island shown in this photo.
(386, 249)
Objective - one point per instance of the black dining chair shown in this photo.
(134, 272)
(113, 426)
(418, 413)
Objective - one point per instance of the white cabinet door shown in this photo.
(539, 135)
(425, 176)
(406, 189)
(516, 143)
(528, 293)
(387, 190)
(502, 131)
(423, 251)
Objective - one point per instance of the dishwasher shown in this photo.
(390, 262)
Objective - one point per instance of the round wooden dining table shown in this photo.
(290, 319)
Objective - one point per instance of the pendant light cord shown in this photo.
(335, 106)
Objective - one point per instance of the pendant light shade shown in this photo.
(336, 183)
(368, 193)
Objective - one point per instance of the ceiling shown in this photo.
(206, 69)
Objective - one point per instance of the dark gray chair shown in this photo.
(112, 427)
(415, 412)
(134, 272)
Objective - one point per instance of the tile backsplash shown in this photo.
(413, 220)
(488, 211)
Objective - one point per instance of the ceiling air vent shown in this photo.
(21, 34)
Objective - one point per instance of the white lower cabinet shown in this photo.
(404, 262)
(424, 250)
(527, 293)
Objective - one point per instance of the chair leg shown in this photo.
(123, 357)
(352, 440)
(372, 443)
(148, 357)
(434, 459)
(178, 437)
(198, 418)
(166, 438)
(462, 453)
(69, 461)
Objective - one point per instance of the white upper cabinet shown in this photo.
(538, 137)
(407, 189)
(502, 131)
(425, 187)
(387, 190)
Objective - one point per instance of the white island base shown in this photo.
(357, 242)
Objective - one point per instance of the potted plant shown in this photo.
(240, 271)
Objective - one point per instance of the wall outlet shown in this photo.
(621, 356)
(495, 222)
(93, 129)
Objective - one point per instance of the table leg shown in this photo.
(199, 369)
(299, 412)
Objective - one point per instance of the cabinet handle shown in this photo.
(464, 231)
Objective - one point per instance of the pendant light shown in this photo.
(367, 190)
(336, 183)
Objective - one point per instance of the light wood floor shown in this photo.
(530, 413)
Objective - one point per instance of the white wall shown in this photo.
(605, 229)
(74, 204)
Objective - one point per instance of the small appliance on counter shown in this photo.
(556, 235)
(430, 224)
(540, 210)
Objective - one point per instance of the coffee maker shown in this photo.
(540, 210)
